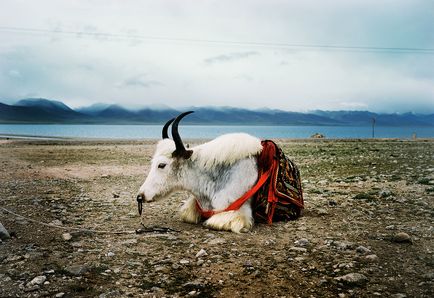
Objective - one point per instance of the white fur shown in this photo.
(239, 221)
(188, 211)
(214, 187)
(226, 149)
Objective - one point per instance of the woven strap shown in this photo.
(240, 201)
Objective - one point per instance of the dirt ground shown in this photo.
(367, 229)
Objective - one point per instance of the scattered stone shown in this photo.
(353, 279)
(201, 253)
(384, 193)
(56, 222)
(4, 234)
(51, 271)
(371, 258)
(399, 295)
(362, 250)
(401, 237)
(59, 295)
(298, 249)
(302, 242)
(115, 195)
(77, 270)
(105, 176)
(322, 211)
(110, 254)
(184, 262)
(38, 280)
(217, 241)
(66, 236)
(333, 203)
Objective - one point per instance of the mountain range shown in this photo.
(40, 110)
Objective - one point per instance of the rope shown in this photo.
(138, 231)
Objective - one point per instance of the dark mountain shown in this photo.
(39, 110)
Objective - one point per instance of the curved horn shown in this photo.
(166, 126)
(180, 149)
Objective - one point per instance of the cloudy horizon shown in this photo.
(357, 55)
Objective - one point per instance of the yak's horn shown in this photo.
(180, 149)
(166, 126)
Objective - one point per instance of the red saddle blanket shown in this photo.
(281, 197)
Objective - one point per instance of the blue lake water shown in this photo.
(199, 131)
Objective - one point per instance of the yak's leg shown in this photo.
(240, 221)
(188, 211)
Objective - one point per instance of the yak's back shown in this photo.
(226, 149)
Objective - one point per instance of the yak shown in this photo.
(216, 173)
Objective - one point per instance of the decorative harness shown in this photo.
(283, 190)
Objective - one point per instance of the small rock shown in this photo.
(217, 241)
(362, 250)
(371, 258)
(201, 253)
(352, 279)
(402, 237)
(66, 236)
(77, 270)
(4, 234)
(59, 295)
(38, 280)
(110, 254)
(56, 222)
(184, 262)
(398, 295)
(302, 242)
(105, 176)
(298, 249)
(384, 193)
(322, 211)
(115, 195)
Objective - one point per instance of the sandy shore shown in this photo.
(367, 229)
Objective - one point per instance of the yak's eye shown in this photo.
(161, 165)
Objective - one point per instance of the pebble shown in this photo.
(76, 270)
(201, 253)
(110, 254)
(66, 236)
(217, 241)
(371, 258)
(4, 234)
(362, 250)
(38, 280)
(116, 195)
(322, 211)
(302, 242)
(402, 237)
(59, 295)
(298, 249)
(353, 279)
(184, 262)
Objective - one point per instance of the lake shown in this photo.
(202, 131)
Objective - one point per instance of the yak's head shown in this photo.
(168, 159)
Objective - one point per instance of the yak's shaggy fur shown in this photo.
(217, 173)
(226, 150)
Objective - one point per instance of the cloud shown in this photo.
(230, 57)
(140, 80)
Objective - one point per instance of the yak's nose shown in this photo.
(142, 198)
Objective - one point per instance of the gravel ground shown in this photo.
(366, 231)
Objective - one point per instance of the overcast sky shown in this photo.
(220, 53)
